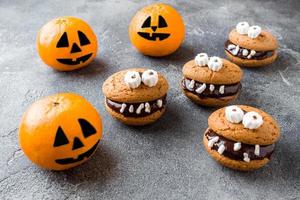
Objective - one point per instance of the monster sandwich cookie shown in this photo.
(241, 137)
(211, 81)
(136, 96)
(250, 46)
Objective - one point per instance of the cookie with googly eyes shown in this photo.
(241, 137)
(136, 96)
(250, 46)
(211, 81)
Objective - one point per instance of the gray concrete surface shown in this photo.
(166, 160)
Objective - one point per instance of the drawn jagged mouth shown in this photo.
(69, 61)
(87, 154)
(154, 36)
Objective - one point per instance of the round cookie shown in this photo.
(209, 85)
(250, 47)
(241, 137)
(136, 101)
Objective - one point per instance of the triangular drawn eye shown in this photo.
(83, 39)
(162, 22)
(63, 41)
(147, 23)
(60, 138)
(87, 128)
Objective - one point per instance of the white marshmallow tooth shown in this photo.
(231, 47)
(159, 103)
(252, 120)
(139, 109)
(201, 59)
(257, 150)
(150, 78)
(252, 53)
(147, 108)
(191, 85)
(212, 141)
(242, 28)
(215, 63)
(201, 89)
(245, 52)
(246, 157)
(222, 89)
(123, 106)
(132, 79)
(237, 146)
(211, 87)
(234, 114)
(131, 109)
(254, 32)
(221, 149)
(236, 50)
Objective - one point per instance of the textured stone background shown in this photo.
(166, 160)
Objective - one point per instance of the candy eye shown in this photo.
(215, 63)
(201, 59)
(132, 79)
(150, 78)
(234, 114)
(242, 27)
(252, 120)
(254, 31)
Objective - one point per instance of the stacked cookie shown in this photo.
(211, 81)
(136, 96)
(250, 46)
(241, 137)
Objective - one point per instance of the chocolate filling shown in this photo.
(154, 106)
(229, 90)
(264, 151)
(259, 55)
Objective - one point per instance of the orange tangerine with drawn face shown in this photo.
(67, 43)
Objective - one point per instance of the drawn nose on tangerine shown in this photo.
(154, 28)
(75, 48)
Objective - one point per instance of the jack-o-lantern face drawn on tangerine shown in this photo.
(60, 131)
(154, 35)
(67, 43)
(61, 139)
(157, 30)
